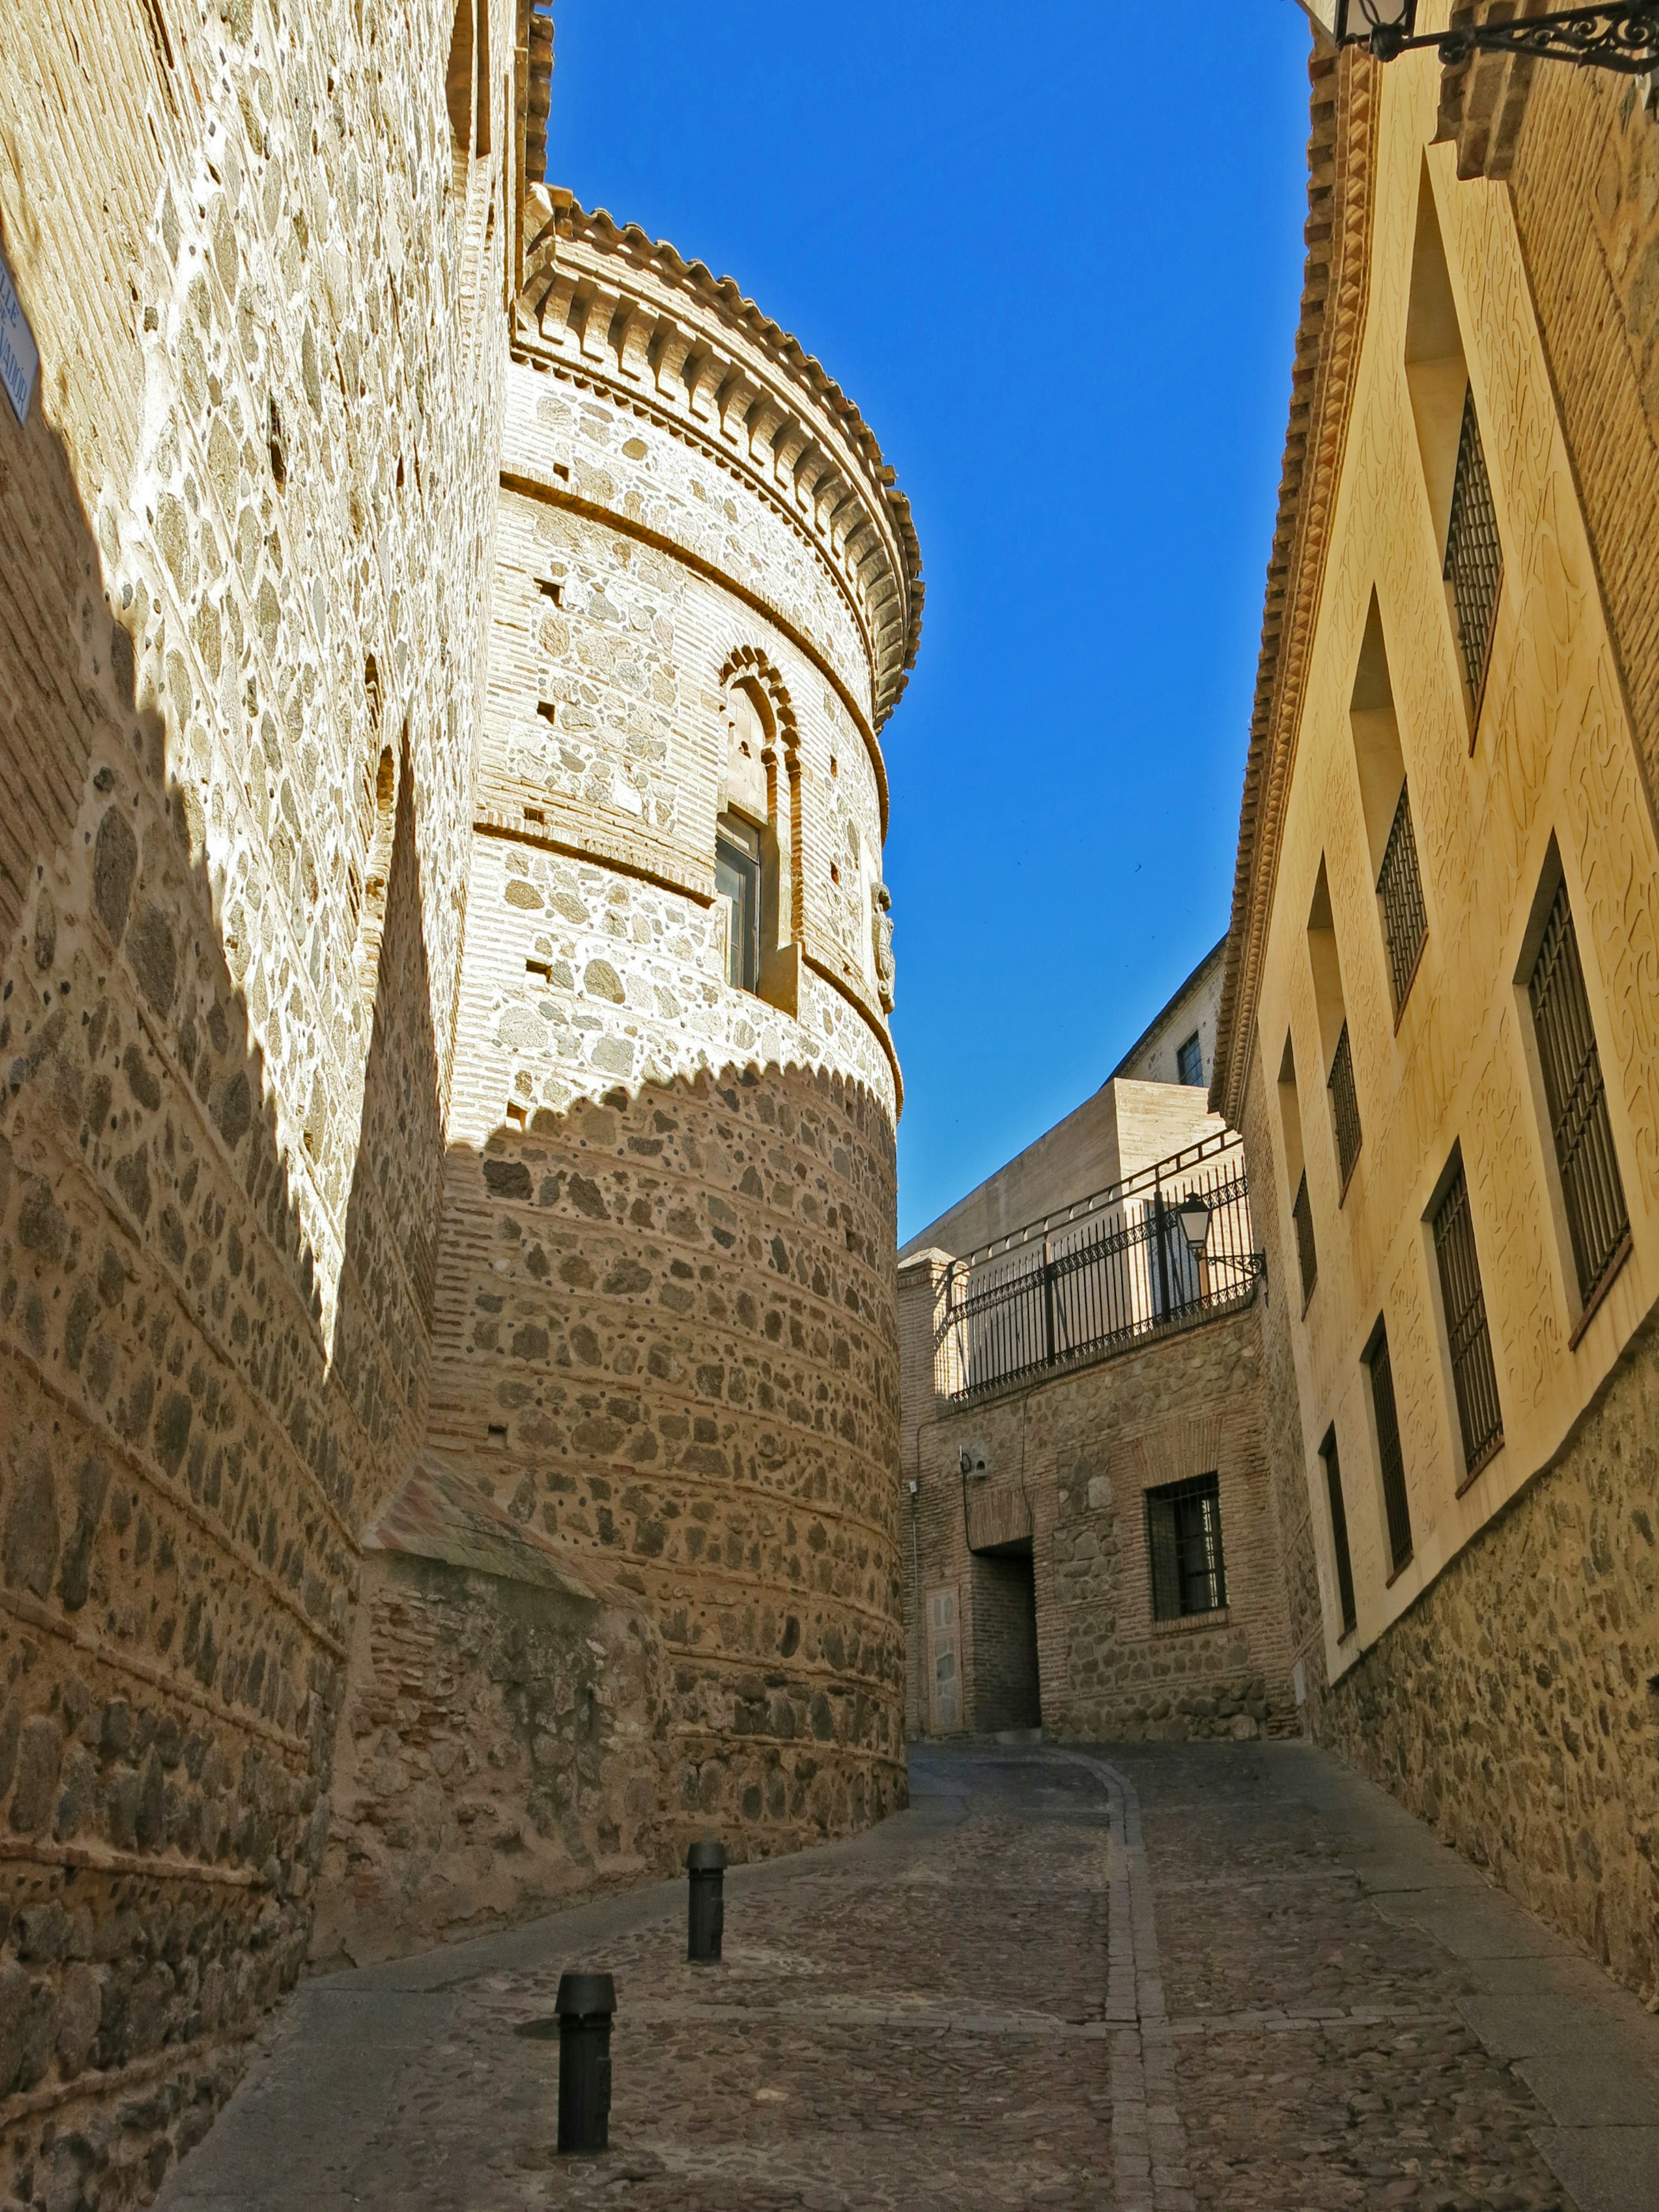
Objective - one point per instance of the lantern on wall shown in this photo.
(1625, 39)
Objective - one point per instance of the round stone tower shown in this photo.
(665, 1315)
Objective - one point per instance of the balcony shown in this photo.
(1112, 1271)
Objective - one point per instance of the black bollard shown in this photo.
(584, 2005)
(705, 1920)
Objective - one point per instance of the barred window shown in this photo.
(1346, 1106)
(1189, 1060)
(1598, 1219)
(1479, 1415)
(1183, 1542)
(1400, 887)
(1339, 1532)
(1474, 555)
(1302, 1214)
(1388, 1447)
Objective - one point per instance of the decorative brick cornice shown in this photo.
(1341, 162)
(636, 316)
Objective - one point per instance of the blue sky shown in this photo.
(1055, 257)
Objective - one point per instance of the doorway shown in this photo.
(1006, 1690)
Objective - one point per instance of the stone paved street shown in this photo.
(1208, 1975)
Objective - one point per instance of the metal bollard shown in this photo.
(584, 2005)
(705, 1920)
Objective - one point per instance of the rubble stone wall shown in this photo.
(244, 553)
(501, 1746)
(1514, 1706)
(666, 1326)
(1068, 1460)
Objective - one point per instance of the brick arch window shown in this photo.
(745, 855)
(466, 95)
(758, 835)
(459, 79)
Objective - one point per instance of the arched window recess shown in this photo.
(755, 837)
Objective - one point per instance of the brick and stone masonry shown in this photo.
(320, 1578)
(1057, 1470)
(666, 1328)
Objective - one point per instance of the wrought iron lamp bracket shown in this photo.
(1623, 39)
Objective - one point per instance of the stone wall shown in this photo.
(665, 1325)
(1516, 1704)
(246, 540)
(1065, 1464)
(503, 1738)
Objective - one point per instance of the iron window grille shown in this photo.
(1598, 1219)
(1474, 1379)
(1400, 887)
(1345, 1105)
(1302, 1214)
(1475, 555)
(1395, 1502)
(1340, 1535)
(1189, 1060)
(1183, 1543)
(738, 881)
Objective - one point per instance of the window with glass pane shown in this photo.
(1189, 1060)
(1339, 1532)
(1395, 1503)
(1474, 1378)
(738, 881)
(1183, 1543)
(1598, 1220)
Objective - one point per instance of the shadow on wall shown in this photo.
(186, 1464)
(211, 1459)
(642, 1583)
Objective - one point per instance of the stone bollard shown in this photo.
(584, 2006)
(706, 1864)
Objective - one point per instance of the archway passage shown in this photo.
(1007, 1692)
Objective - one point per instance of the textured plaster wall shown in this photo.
(1500, 1683)
(1551, 756)
(226, 990)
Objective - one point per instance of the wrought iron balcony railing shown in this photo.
(1119, 1269)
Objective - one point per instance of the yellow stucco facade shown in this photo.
(1493, 1652)
(1547, 766)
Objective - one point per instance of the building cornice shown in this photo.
(626, 310)
(1341, 165)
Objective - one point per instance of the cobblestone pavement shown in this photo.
(1144, 1980)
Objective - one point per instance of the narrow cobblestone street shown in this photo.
(1209, 1976)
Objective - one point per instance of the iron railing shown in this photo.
(1400, 887)
(1345, 1105)
(1474, 553)
(1395, 1505)
(1598, 1219)
(1474, 1379)
(1302, 1214)
(1122, 1271)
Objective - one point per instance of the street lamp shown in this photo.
(1625, 38)
(1194, 1215)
